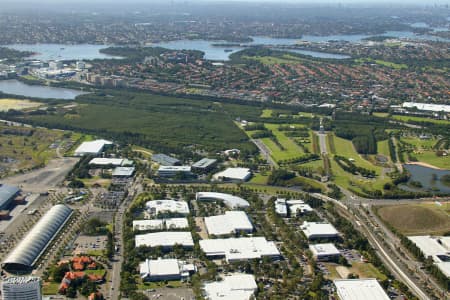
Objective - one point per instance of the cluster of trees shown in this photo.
(300, 159)
(95, 227)
(392, 151)
(350, 167)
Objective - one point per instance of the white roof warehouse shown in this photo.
(230, 222)
(92, 147)
(360, 289)
(239, 249)
(166, 239)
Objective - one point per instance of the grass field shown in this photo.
(417, 219)
(367, 270)
(50, 288)
(266, 113)
(7, 104)
(383, 149)
(346, 180)
(424, 152)
(382, 63)
(271, 60)
(24, 148)
(292, 150)
(260, 178)
(420, 119)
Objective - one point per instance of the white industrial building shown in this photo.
(230, 222)
(123, 172)
(427, 107)
(230, 201)
(21, 288)
(92, 147)
(324, 252)
(165, 269)
(314, 230)
(171, 171)
(143, 225)
(156, 207)
(102, 161)
(160, 224)
(360, 289)
(285, 207)
(239, 249)
(437, 247)
(232, 287)
(233, 174)
(165, 239)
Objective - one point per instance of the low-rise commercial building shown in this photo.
(436, 247)
(21, 288)
(165, 160)
(102, 161)
(172, 171)
(171, 207)
(230, 201)
(239, 249)
(165, 239)
(204, 165)
(233, 174)
(160, 224)
(360, 289)
(234, 286)
(314, 230)
(7, 195)
(230, 222)
(92, 148)
(325, 252)
(281, 207)
(165, 269)
(123, 172)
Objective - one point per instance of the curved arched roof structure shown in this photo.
(229, 200)
(27, 252)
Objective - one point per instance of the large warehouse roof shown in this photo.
(167, 206)
(23, 257)
(318, 230)
(432, 246)
(229, 200)
(101, 161)
(360, 289)
(230, 222)
(427, 106)
(7, 194)
(232, 287)
(238, 174)
(165, 239)
(92, 147)
(235, 249)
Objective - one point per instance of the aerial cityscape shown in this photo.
(225, 150)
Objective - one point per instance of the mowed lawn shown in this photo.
(417, 219)
(420, 119)
(424, 152)
(347, 180)
(383, 149)
(291, 149)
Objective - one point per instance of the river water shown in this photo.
(16, 87)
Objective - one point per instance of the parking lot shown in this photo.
(170, 294)
(89, 244)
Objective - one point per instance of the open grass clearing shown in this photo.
(50, 288)
(417, 219)
(423, 151)
(382, 63)
(17, 104)
(267, 113)
(420, 119)
(367, 270)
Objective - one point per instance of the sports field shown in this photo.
(416, 219)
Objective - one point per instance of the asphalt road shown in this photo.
(322, 142)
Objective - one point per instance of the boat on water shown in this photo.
(228, 50)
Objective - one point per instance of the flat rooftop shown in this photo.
(242, 174)
(230, 222)
(204, 163)
(360, 289)
(324, 249)
(92, 147)
(314, 229)
(100, 161)
(244, 248)
(165, 239)
(164, 206)
(232, 287)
